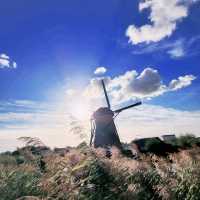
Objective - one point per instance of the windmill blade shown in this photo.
(105, 93)
(127, 107)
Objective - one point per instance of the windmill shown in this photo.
(103, 129)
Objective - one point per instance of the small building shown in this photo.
(168, 137)
(152, 145)
(140, 145)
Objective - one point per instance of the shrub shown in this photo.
(186, 141)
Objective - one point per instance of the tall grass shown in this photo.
(85, 173)
(18, 182)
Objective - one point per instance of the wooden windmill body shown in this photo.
(103, 129)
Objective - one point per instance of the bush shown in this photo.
(187, 141)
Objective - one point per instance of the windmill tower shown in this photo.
(103, 129)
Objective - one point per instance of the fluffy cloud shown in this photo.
(181, 82)
(100, 70)
(147, 82)
(6, 62)
(4, 56)
(164, 16)
(132, 85)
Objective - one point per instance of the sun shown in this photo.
(80, 110)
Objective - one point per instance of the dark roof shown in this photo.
(154, 145)
(103, 111)
(142, 142)
(169, 135)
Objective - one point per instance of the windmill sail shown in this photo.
(105, 93)
(127, 107)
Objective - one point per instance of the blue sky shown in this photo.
(50, 50)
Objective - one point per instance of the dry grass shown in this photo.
(85, 173)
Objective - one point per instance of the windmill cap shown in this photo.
(102, 112)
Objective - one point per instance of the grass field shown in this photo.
(86, 173)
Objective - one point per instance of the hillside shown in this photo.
(86, 173)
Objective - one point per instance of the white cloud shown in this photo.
(132, 85)
(4, 56)
(6, 62)
(164, 15)
(184, 47)
(175, 48)
(181, 82)
(11, 116)
(94, 89)
(146, 83)
(70, 92)
(177, 52)
(100, 70)
(14, 65)
(162, 46)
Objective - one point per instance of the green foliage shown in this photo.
(153, 145)
(186, 141)
(19, 159)
(7, 160)
(100, 182)
(16, 183)
(82, 145)
(146, 182)
(188, 186)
